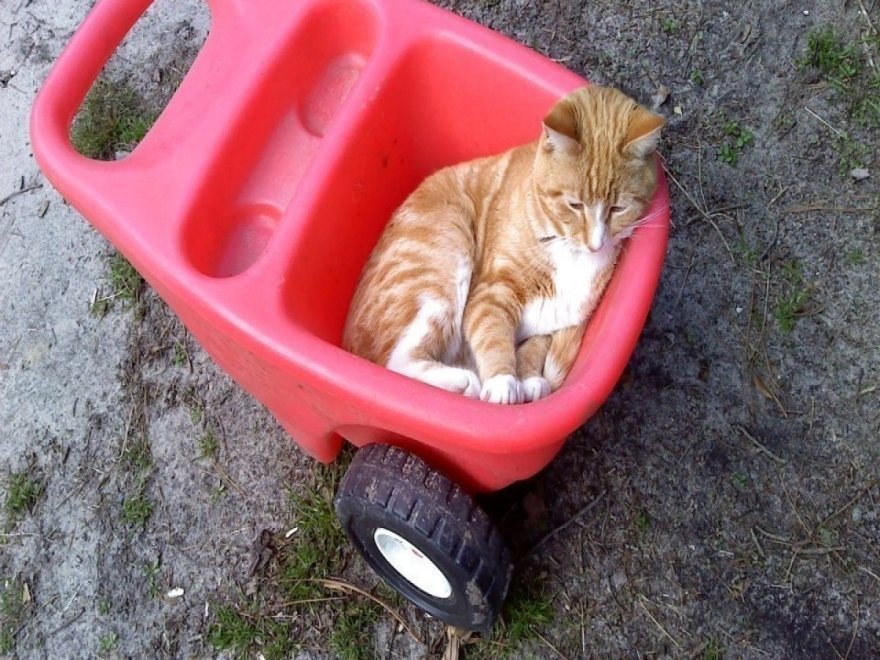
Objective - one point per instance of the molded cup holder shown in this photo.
(266, 154)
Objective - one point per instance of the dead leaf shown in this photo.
(453, 646)
(455, 638)
(262, 550)
(762, 388)
(660, 97)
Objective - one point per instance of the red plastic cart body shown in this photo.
(253, 202)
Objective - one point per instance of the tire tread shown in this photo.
(436, 508)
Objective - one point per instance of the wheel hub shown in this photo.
(411, 563)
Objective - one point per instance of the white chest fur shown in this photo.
(574, 280)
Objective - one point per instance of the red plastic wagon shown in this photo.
(252, 205)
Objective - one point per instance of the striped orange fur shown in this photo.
(484, 278)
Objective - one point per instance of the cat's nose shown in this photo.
(596, 238)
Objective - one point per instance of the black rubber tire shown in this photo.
(390, 488)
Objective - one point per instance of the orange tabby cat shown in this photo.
(484, 278)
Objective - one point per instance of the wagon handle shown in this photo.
(66, 87)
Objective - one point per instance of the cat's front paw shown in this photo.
(534, 388)
(503, 388)
(454, 379)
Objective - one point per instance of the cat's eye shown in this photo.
(617, 209)
(577, 206)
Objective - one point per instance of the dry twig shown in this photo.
(336, 584)
(657, 623)
(24, 190)
(589, 507)
(703, 212)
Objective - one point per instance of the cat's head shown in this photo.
(595, 170)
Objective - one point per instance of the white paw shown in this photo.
(503, 388)
(535, 388)
(472, 385)
(460, 381)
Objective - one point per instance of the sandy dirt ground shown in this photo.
(723, 502)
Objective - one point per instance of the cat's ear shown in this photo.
(560, 130)
(644, 133)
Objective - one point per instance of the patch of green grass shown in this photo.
(107, 642)
(643, 522)
(100, 306)
(713, 651)
(856, 257)
(13, 607)
(670, 26)
(524, 612)
(748, 253)
(113, 118)
(218, 493)
(238, 631)
(843, 66)
(7, 641)
(827, 52)
(850, 153)
(352, 630)
(180, 353)
(151, 575)
(697, 77)
(208, 444)
(740, 480)
(103, 607)
(126, 285)
(783, 122)
(136, 511)
(137, 455)
(792, 272)
(231, 630)
(317, 548)
(126, 281)
(22, 492)
(789, 307)
(196, 413)
(794, 300)
(736, 140)
(827, 537)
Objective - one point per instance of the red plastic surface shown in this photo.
(254, 201)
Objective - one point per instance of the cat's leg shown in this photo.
(564, 348)
(530, 358)
(490, 320)
(433, 335)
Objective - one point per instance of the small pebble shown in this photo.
(177, 592)
(856, 514)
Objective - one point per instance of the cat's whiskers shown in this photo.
(644, 220)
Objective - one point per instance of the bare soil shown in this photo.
(722, 503)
